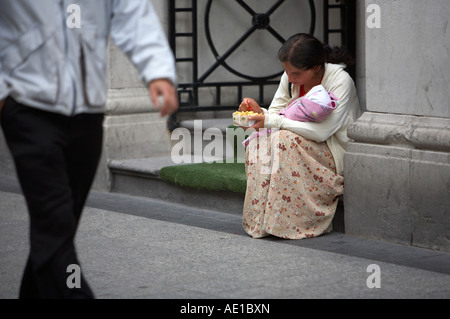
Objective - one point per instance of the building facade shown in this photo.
(397, 170)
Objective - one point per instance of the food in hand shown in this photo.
(241, 118)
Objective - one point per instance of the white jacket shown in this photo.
(49, 64)
(333, 130)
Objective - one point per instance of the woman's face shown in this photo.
(300, 77)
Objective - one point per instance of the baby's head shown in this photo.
(319, 95)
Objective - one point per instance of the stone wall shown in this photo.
(397, 170)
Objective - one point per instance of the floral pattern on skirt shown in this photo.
(292, 187)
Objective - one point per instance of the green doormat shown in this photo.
(214, 176)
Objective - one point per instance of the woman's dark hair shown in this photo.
(304, 52)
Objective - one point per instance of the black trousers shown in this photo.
(56, 158)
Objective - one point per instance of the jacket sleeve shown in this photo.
(319, 132)
(136, 30)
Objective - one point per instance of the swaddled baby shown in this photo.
(315, 106)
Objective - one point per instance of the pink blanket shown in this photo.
(315, 106)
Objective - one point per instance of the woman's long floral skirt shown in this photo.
(292, 187)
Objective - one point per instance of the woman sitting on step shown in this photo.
(295, 172)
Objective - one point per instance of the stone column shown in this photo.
(397, 170)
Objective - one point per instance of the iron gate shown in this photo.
(189, 91)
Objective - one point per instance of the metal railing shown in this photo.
(189, 91)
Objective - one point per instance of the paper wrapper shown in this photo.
(241, 119)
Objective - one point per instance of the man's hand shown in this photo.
(2, 102)
(165, 89)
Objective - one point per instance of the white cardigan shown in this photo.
(333, 130)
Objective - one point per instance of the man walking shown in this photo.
(53, 87)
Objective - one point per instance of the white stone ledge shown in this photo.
(408, 131)
(128, 101)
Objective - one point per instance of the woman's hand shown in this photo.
(259, 121)
(249, 104)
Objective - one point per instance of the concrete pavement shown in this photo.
(133, 247)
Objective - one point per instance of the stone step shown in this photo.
(201, 135)
(140, 177)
